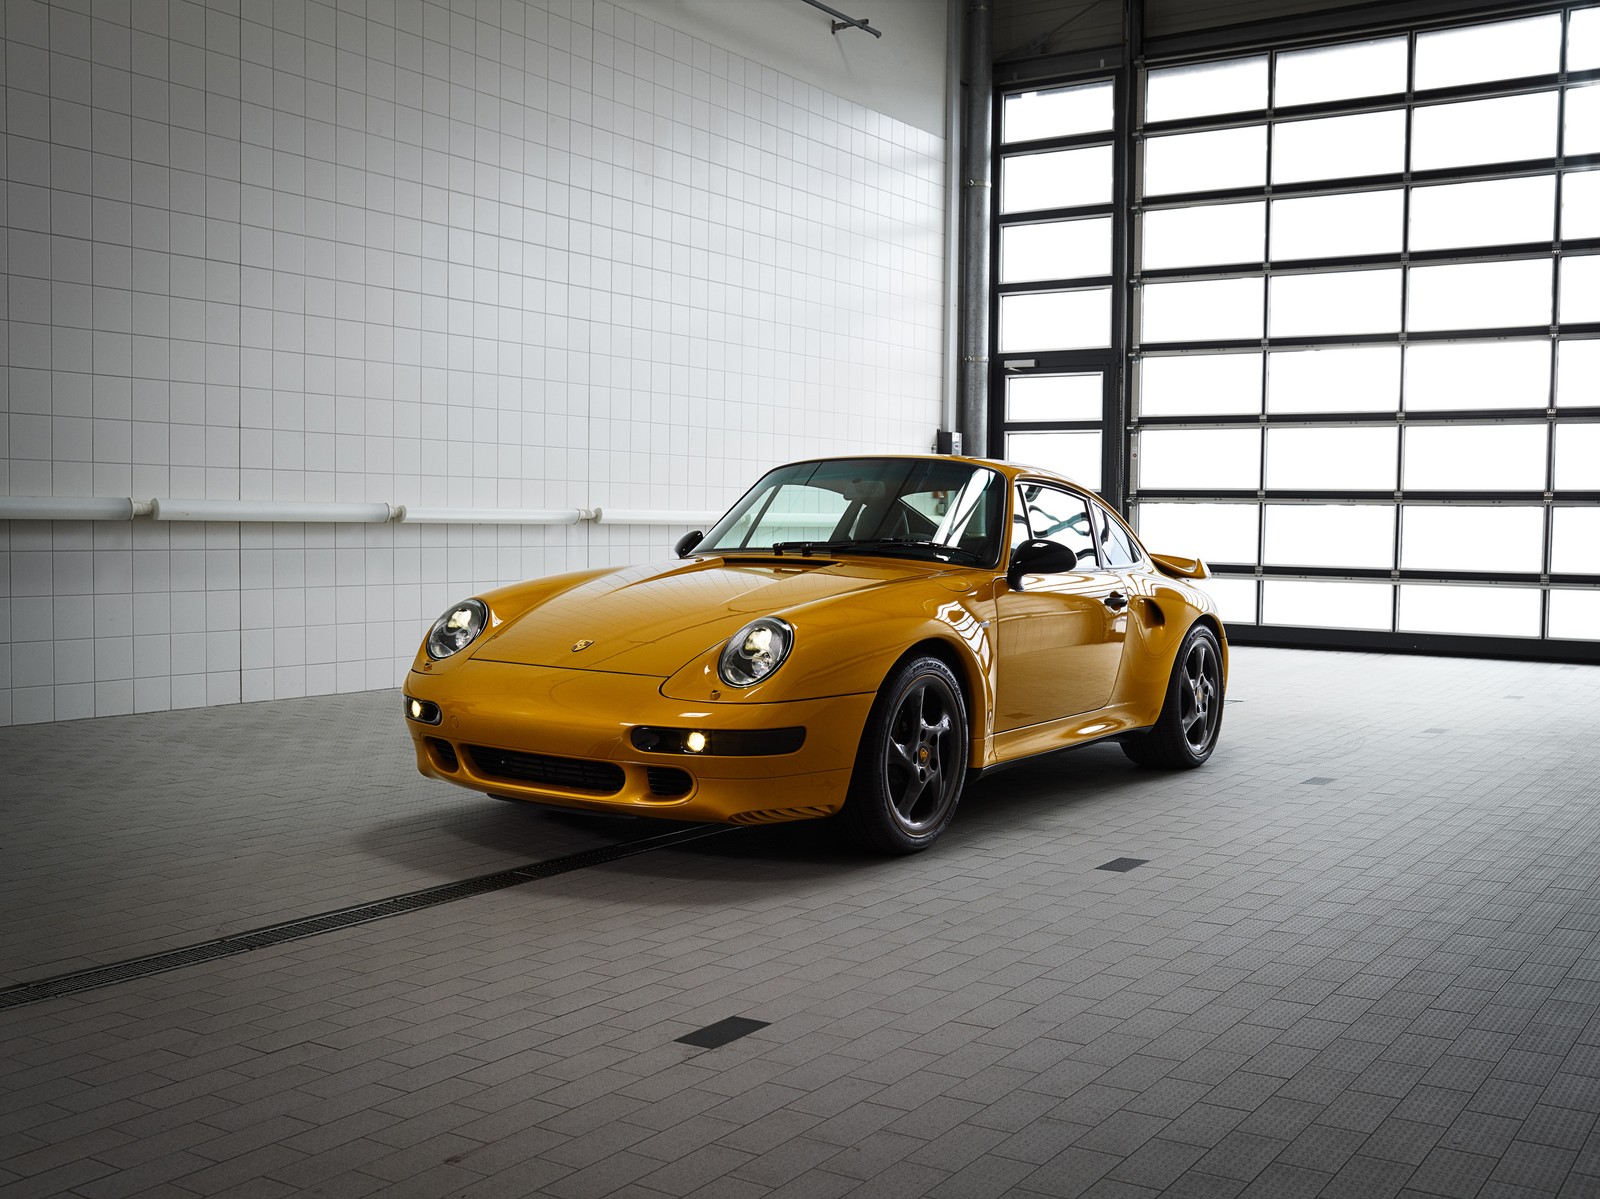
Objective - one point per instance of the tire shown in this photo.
(1185, 733)
(912, 762)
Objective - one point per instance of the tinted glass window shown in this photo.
(1062, 517)
(1116, 548)
(916, 507)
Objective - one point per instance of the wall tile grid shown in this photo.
(488, 255)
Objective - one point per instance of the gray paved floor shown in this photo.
(1361, 960)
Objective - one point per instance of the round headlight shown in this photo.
(457, 628)
(755, 651)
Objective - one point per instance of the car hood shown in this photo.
(650, 620)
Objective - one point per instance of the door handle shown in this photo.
(1116, 601)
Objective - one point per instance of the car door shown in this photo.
(1060, 637)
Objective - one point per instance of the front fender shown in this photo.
(505, 604)
(849, 648)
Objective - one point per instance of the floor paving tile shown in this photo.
(1386, 983)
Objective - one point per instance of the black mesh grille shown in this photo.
(573, 774)
(444, 753)
(668, 780)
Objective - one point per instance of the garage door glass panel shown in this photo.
(1214, 532)
(1327, 605)
(1075, 455)
(1575, 544)
(1234, 85)
(1480, 53)
(1200, 385)
(1056, 112)
(1055, 320)
(1346, 379)
(1319, 459)
(1203, 236)
(1235, 599)
(1055, 250)
(1580, 289)
(1474, 458)
(1480, 295)
(1481, 374)
(1358, 536)
(1375, 68)
(1575, 615)
(1583, 121)
(1498, 540)
(1334, 226)
(1345, 302)
(1206, 310)
(1580, 204)
(1499, 212)
(1210, 161)
(1578, 374)
(1055, 397)
(1578, 458)
(1583, 40)
(1469, 611)
(1370, 143)
(1057, 179)
(1200, 458)
(1474, 132)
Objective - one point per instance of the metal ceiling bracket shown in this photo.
(844, 22)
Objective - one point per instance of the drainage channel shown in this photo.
(327, 922)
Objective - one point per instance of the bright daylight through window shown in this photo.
(1360, 318)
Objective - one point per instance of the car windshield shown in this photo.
(942, 509)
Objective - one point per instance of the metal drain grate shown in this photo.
(714, 1036)
(327, 922)
(1123, 865)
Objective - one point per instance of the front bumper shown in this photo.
(563, 737)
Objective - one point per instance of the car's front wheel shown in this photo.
(912, 763)
(1191, 716)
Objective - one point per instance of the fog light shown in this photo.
(422, 711)
(695, 742)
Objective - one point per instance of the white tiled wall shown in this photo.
(515, 254)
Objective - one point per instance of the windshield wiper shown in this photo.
(872, 545)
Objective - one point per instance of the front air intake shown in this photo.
(444, 754)
(569, 774)
(668, 781)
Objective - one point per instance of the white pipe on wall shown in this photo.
(68, 507)
(273, 510)
(25, 507)
(645, 516)
(492, 516)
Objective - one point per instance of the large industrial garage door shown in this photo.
(1362, 325)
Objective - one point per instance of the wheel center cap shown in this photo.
(923, 755)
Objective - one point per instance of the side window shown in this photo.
(1060, 516)
(1019, 520)
(1116, 548)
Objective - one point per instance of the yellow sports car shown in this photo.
(857, 636)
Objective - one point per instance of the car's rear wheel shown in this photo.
(912, 763)
(1191, 715)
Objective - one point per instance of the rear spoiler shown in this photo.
(1180, 568)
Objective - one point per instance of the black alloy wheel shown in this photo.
(1191, 716)
(912, 763)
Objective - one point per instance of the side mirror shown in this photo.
(1038, 556)
(687, 542)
